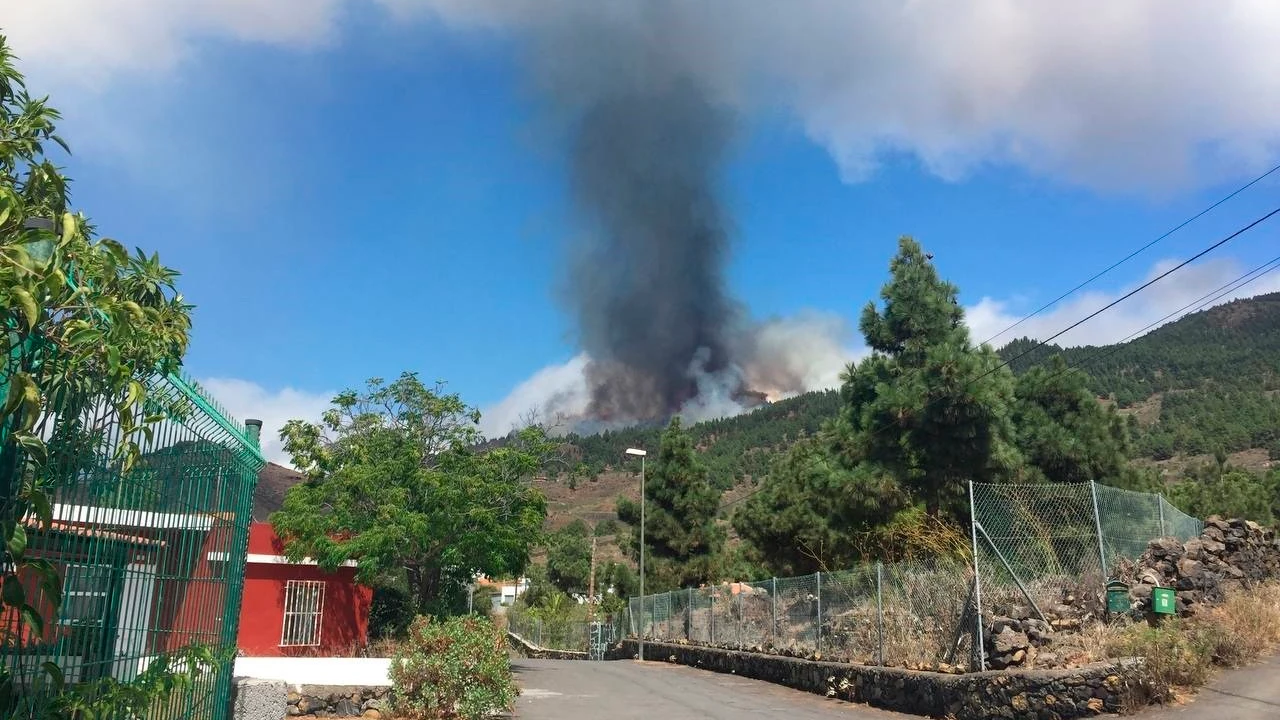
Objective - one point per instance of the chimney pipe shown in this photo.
(253, 428)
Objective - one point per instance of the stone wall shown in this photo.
(1228, 555)
(524, 648)
(1044, 694)
(338, 701)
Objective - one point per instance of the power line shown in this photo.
(1199, 304)
(1134, 254)
(1041, 343)
(1108, 306)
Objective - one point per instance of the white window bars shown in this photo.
(303, 610)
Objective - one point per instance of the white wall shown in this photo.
(365, 672)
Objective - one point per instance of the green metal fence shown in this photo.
(151, 560)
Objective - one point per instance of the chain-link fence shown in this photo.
(1041, 545)
(905, 613)
(564, 632)
(1037, 547)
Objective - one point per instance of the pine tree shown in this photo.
(681, 535)
(927, 406)
(1064, 433)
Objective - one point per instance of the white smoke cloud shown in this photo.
(553, 392)
(1141, 95)
(246, 399)
(809, 351)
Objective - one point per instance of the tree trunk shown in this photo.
(425, 585)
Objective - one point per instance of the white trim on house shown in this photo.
(89, 514)
(263, 559)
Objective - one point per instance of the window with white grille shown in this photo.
(303, 608)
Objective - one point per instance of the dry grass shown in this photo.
(1246, 626)
(1180, 654)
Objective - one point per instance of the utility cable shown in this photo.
(1108, 306)
(1135, 253)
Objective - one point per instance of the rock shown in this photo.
(292, 698)
(1191, 569)
(1193, 549)
(308, 704)
(371, 714)
(375, 704)
(1009, 640)
(1095, 706)
(1019, 702)
(1017, 657)
(1165, 547)
(1213, 533)
(1141, 591)
(346, 708)
(292, 710)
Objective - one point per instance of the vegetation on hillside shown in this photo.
(928, 410)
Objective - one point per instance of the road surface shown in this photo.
(1251, 693)
(624, 689)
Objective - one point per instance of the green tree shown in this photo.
(812, 508)
(395, 482)
(569, 558)
(681, 535)
(1064, 433)
(926, 405)
(1228, 492)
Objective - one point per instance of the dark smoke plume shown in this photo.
(647, 144)
(647, 280)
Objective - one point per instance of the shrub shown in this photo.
(1177, 654)
(455, 668)
(1246, 626)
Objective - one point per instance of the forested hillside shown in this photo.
(1209, 382)
(1212, 376)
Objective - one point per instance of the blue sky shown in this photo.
(375, 189)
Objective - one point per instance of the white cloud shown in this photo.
(246, 399)
(87, 44)
(991, 316)
(1140, 95)
(1143, 94)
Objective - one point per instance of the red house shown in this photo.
(295, 608)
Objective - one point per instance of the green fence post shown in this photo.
(773, 630)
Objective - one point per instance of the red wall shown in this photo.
(345, 619)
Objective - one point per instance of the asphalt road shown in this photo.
(622, 689)
(1251, 693)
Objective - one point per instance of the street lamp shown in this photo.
(641, 453)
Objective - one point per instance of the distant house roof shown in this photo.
(273, 481)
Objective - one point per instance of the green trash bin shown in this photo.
(1162, 601)
(1117, 597)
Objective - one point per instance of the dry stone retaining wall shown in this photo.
(1228, 555)
(1041, 694)
(338, 701)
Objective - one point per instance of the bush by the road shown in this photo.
(455, 668)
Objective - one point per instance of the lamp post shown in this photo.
(641, 454)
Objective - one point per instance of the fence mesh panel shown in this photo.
(150, 559)
(1037, 545)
